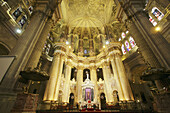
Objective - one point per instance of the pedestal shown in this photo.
(25, 103)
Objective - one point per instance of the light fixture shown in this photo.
(157, 28)
(127, 32)
(69, 46)
(104, 46)
(107, 42)
(18, 31)
(67, 42)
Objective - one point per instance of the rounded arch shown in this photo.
(85, 72)
(71, 99)
(4, 50)
(73, 73)
(115, 96)
(103, 100)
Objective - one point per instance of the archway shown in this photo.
(3, 50)
(85, 71)
(103, 101)
(115, 96)
(71, 99)
(99, 74)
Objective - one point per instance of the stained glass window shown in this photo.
(23, 21)
(132, 42)
(17, 13)
(127, 45)
(30, 9)
(152, 21)
(123, 49)
(123, 35)
(157, 13)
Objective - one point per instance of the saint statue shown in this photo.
(87, 74)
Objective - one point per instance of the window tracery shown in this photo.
(157, 13)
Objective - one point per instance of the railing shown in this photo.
(122, 106)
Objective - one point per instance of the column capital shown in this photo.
(105, 64)
(93, 67)
(80, 67)
(68, 63)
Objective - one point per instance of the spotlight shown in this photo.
(67, 42)
(107, 42)
(18, 31)
(157, 28)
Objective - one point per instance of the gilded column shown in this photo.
(59, 79)
(79, 84)
(67, 84)
(94, 81)
(49, 92)
(118, 83)
(123, 79)
(109, 96)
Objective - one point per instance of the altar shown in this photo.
(87, 100)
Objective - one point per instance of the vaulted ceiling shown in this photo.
(86, 21)
(87, 13)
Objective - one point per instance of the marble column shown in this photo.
(67, 84)
(79, 84)
(23, 49)
(35, 56)
(116, 76)
(156, 42)
(109, 96)
(94, 81)
(123, 79)
(57, 87)
(54, 70)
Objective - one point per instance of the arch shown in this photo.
(73, 73)
(103, 101)
(115, 96)
(99, 74)
(71, 99)
(3, 49)
(85, 71)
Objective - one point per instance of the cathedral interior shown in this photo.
(84, 56)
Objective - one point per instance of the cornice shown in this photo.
(88, 62)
